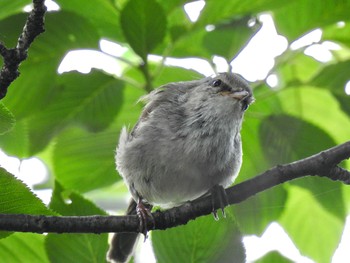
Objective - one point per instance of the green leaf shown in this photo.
(310, 15)
(334, 78)
(75, 247)
(16, 141)
(31, 91)
(314, 230)
(16, 198)
(10, 7)
(202, 240)
(7, 120)
(327, 194)
(308, 103)
(287, 139)
(254, 158)
(178, 24)
(91, 101)
(72, 248)
(11, 27)
(256, 213)
(131, 110)
(143, 24)
(84, 161)
(216, 11)
(70, 203)
(101, 13)
(228, 39)
(273, 256)
(337, 33)
(295, 67)
(175, 74)
(344, 101)
(170, 6)
(23, 247)
(184, 47)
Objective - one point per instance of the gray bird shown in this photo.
(186, 143)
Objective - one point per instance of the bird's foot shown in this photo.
(145, 216)
(218, 196)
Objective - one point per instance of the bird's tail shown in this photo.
(123, 244)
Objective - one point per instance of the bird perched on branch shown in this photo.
(186, 144)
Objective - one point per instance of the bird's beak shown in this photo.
(239, 95)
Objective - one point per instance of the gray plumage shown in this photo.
(186, 141)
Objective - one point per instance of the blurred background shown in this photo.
(61, 118)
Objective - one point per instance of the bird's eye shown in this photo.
(216, 83)
(244, 106)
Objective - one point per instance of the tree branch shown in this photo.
(13, 57)
(324, 164)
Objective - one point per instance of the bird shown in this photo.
(186, 144)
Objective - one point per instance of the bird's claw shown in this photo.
(145, 215)
(219, 197)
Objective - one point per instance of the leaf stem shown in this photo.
(144, 67)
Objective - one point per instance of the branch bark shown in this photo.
(13, 57)
(324, 164)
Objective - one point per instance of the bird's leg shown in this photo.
(218, 196)
(143, 211)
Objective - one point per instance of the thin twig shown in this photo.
(13, 57)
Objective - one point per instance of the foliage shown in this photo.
(72, 120)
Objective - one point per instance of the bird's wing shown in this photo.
(169, 93)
